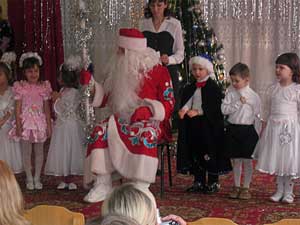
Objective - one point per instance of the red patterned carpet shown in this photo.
(258, 210)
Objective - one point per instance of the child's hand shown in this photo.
(192, 113)
(178, 219)
(19, 131)
(93, 90)
(49, 131)
(243, 100)
(263, 126)
(55, 95)
(2, 121)
(182, 113)
(164, 59)
(206, 157)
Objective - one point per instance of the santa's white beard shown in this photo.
(125, 75)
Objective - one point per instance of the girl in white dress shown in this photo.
(278, 150)
(66, 151)
(10, 151)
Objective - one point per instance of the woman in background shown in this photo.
(164, 34)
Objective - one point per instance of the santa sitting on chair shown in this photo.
(139, 92)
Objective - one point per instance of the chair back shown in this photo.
(212, 221)
(50, 215)
(286, 222)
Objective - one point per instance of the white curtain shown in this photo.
(255, 32)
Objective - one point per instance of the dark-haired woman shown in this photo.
(164, 34)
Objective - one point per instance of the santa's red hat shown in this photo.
(132, 39)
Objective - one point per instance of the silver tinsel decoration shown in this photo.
(86, 110)
(102, 18)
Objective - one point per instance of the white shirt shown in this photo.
(239, 113)
(195, 102)
(173, 26)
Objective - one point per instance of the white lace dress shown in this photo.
(66, 151)
(10, 151)
(278, 150)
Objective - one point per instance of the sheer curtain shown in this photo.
(255, 32)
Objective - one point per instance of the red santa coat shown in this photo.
(131, 148)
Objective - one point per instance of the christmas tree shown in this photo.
(199, 38)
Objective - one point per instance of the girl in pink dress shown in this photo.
(33, 122)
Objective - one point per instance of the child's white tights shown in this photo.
(237, 171)
(284, 191)
(39, 159)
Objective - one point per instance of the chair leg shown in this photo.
(169, 165)
(162, 171)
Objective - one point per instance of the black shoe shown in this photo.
(213, 188)
(196, 187)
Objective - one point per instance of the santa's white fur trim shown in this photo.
(88, 176)
(99, 95)
(137, 44)
(157, 109)
(141, 167)
(101, 162)
(203, 62)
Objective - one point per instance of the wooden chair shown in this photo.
(162, 147)
(50, 215)
(286, 222)
(212, 221)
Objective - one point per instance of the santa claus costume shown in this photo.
(140, 94)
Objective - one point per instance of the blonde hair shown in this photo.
(12, 203)
(118, 220)
(129, 201)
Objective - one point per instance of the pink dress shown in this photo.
(32, 116)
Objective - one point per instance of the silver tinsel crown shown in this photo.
(30, 55)
(73, 63)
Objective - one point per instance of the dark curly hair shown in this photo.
(69, 77)
(148, 13)
(291, 60)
